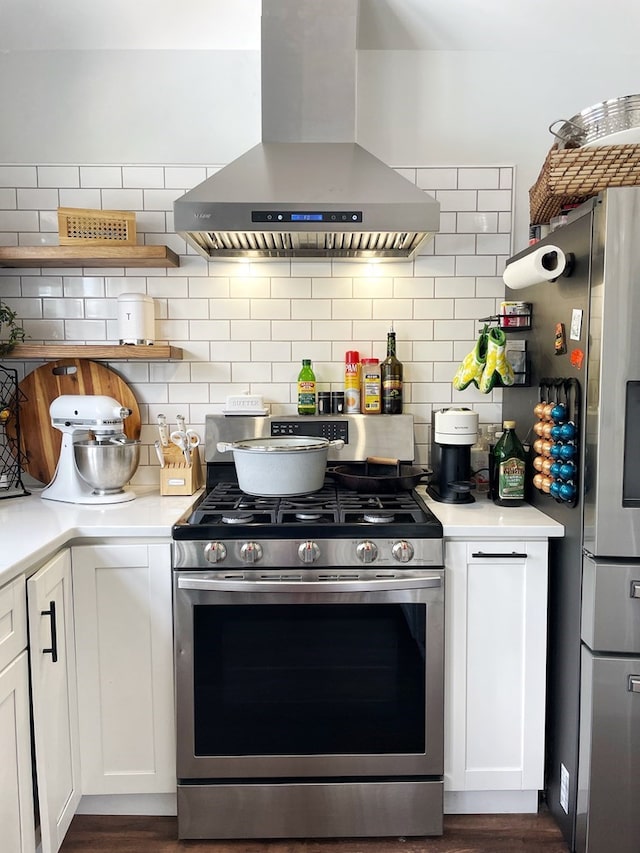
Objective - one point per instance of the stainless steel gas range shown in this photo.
(309, 649)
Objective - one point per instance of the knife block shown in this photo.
(178, 478)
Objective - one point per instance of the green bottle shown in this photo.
(509, 458)
(306, 389)
(391, 374)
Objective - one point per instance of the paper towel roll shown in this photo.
(543, 264)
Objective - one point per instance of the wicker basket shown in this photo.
(98, 227)
(572, 176)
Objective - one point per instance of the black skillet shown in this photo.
(379, 475)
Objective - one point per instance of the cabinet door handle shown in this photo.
(634, 684)
(499, 555)
(635, 589)
(53, 651)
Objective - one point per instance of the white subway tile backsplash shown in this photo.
(82, 198)
(434, 309)
(58, 176)
(493, 244)
(61, 309)
(48, 331)
(159, 199)
(494, 200)
(35, 199)
(187, 309)
(456, 200)
(392, 309)
(249, 330)
(475, 265)
(144, 177)
(460, 287)
(352, 309)
(121, 199)
(306, 309)
(85, 286)
(18, 176)
(8, 198)
(19, 220)
(296, 288)
(477, 223)
(101, 177)
(434, 266)
(437, 179)
(183, 177)
(476, 179)
(273, 309)
(247, 326)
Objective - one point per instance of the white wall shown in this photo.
(123, 97)
(439, 82)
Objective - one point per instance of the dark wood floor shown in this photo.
(462, 834)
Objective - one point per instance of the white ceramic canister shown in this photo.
(136, 318)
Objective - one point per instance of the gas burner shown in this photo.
(237, 518)
(308, 516)
(378, 516)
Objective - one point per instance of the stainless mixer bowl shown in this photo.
(107, 465)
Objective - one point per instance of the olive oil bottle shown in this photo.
(509, 458)
(391, 376)
(306, 389)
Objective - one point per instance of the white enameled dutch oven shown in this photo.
(280, 466)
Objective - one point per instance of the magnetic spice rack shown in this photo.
(522, 378)
(11, 459)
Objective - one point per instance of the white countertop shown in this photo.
(483, 519)
(33, 528)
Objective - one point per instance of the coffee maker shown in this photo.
(453, 432)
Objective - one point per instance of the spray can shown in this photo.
(352, 382)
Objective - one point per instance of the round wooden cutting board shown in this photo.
(39, 441)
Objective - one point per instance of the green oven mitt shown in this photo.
(496, 368)
(472, 365)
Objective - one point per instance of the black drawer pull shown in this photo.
(53, 651)
(635, 589)
(500, 555)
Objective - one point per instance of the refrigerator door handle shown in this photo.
(634, 684)
(635, 589)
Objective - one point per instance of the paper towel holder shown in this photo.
(569, 264)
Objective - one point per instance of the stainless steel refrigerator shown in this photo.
(585, 337)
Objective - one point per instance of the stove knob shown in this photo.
(402, 551)
(308, 552)
(366, 552)
(251, 552)
(214, 552)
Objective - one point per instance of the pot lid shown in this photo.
(282, 443)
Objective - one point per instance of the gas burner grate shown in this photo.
(227, 504)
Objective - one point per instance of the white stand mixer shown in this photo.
(77, 416)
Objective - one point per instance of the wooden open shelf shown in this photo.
(106, 352)
(88, 256)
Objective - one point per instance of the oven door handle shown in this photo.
(291, 584)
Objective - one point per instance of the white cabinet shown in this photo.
(54, 698)
(496, 623)
(122, 600)
(16, 786)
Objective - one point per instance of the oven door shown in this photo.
(294, 679)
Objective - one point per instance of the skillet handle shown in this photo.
(382, 460)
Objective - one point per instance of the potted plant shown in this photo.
(11, 332)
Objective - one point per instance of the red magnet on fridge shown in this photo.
(576, 358)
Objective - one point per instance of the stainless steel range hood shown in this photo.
(308, 190)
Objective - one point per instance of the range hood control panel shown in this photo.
(306, 216)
